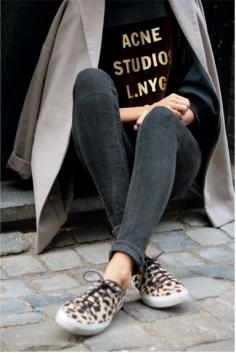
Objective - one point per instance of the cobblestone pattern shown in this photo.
(33, 287)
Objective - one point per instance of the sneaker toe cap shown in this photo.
(75, 326)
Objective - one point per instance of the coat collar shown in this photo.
(186, 16)
(184, 11)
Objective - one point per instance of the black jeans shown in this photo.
(135, 177)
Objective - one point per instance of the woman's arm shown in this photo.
(131, 113)
(176, 103)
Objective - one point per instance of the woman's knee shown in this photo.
(91, 81)
(160, 117)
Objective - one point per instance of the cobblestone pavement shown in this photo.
(35, 286)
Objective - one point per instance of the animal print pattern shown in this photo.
(155, 280)
(98, 304)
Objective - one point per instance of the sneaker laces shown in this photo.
(165, 277)
(148, 260)
(98, 286)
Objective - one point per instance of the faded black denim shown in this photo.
(135, 177)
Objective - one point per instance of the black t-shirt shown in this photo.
(128, 26)
(137, 49)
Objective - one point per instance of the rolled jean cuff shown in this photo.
(130, 250)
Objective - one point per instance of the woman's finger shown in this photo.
(181, 100)
(175, 111)
(178, 106)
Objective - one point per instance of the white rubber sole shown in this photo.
(79, 328)
(166, 301)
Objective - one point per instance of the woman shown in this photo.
(139, 128)
(73, 44)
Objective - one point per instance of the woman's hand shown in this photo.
(188, 117)
(179, 105)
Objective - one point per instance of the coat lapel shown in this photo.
(93, 27)
(186, 16)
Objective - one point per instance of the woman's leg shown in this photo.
(105, 150)
(167, 160)
(100, 140)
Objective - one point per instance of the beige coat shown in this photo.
(72, 44)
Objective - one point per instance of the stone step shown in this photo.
(18, 203)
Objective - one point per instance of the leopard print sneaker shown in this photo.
(158, 288)
(92, 311)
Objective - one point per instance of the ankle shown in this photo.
(120, 269)
(123, 282)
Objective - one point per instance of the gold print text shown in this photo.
(145, 87)
(143, 63)
(143, 37)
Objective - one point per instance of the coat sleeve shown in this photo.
(189, 79)
(20, 158)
